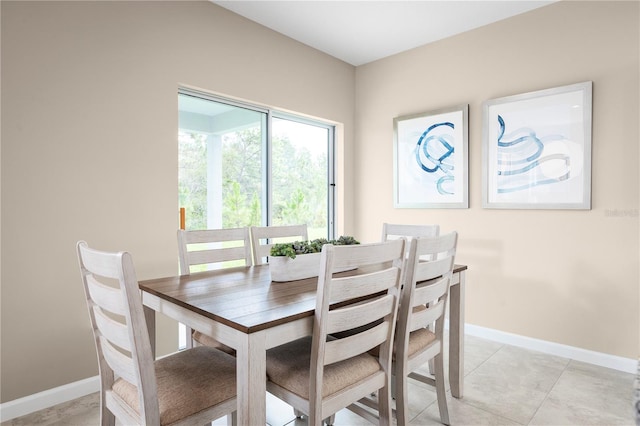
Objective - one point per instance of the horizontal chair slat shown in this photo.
(431, 292)
(204, 236)
(352, 287)
(338, 350)
(359, 314)
(421, 319)
(432, 269)
(121, 364)
(108, 298)
(439, 245)
(371, 254)
(114, 331)
(213, 256)
(104, 265)
(279, 231)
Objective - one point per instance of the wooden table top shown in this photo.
(243, 298)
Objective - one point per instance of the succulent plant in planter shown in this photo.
(295, 248)
(300, 259)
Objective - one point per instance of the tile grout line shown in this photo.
(463, 401)
(502, 346)
(546, 397)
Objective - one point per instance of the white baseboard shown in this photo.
(49, 398)
(41, 400)
(628, 365)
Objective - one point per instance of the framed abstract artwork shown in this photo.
(430, 159)
(537, 149)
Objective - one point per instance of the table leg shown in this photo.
(251, 379)
(150, 319)
(456, 336)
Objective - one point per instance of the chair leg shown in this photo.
(299, 414)
(440, 390)
(431, 327)
(329, 421)
(402, 397)
(384, 406)
(314, 418)
(107, 418)
(432, 366)
(393, 388)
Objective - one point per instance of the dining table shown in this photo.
(244, 309)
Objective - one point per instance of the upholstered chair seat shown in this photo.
(289, 367)
(184, 383)
(419, 341)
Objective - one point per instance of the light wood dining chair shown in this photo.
(189, 387)
(423, 302)
(263, 238)
(321, 375)
(209, 248)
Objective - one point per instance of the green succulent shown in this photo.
(305, 247)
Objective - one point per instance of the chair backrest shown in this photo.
(212, 247)
(263, 237)
(365, 303)
(119, 327)
(392, 231)
(426, 287)
(396, 230)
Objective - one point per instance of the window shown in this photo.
(241, 165)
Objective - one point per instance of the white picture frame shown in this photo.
(537, 149)
(430, 159)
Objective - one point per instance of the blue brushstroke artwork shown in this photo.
(430, 159)
(434, 154)
(525, 161)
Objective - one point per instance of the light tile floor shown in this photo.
(504, 385)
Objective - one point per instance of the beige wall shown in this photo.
(89, 150)
(569, 277)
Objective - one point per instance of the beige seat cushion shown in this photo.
(188, 382)
(288, 366)
(421, 338)
(418, 340)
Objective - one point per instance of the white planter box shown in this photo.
(284, 268)
(304, 266)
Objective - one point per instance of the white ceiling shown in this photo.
(359, 32)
